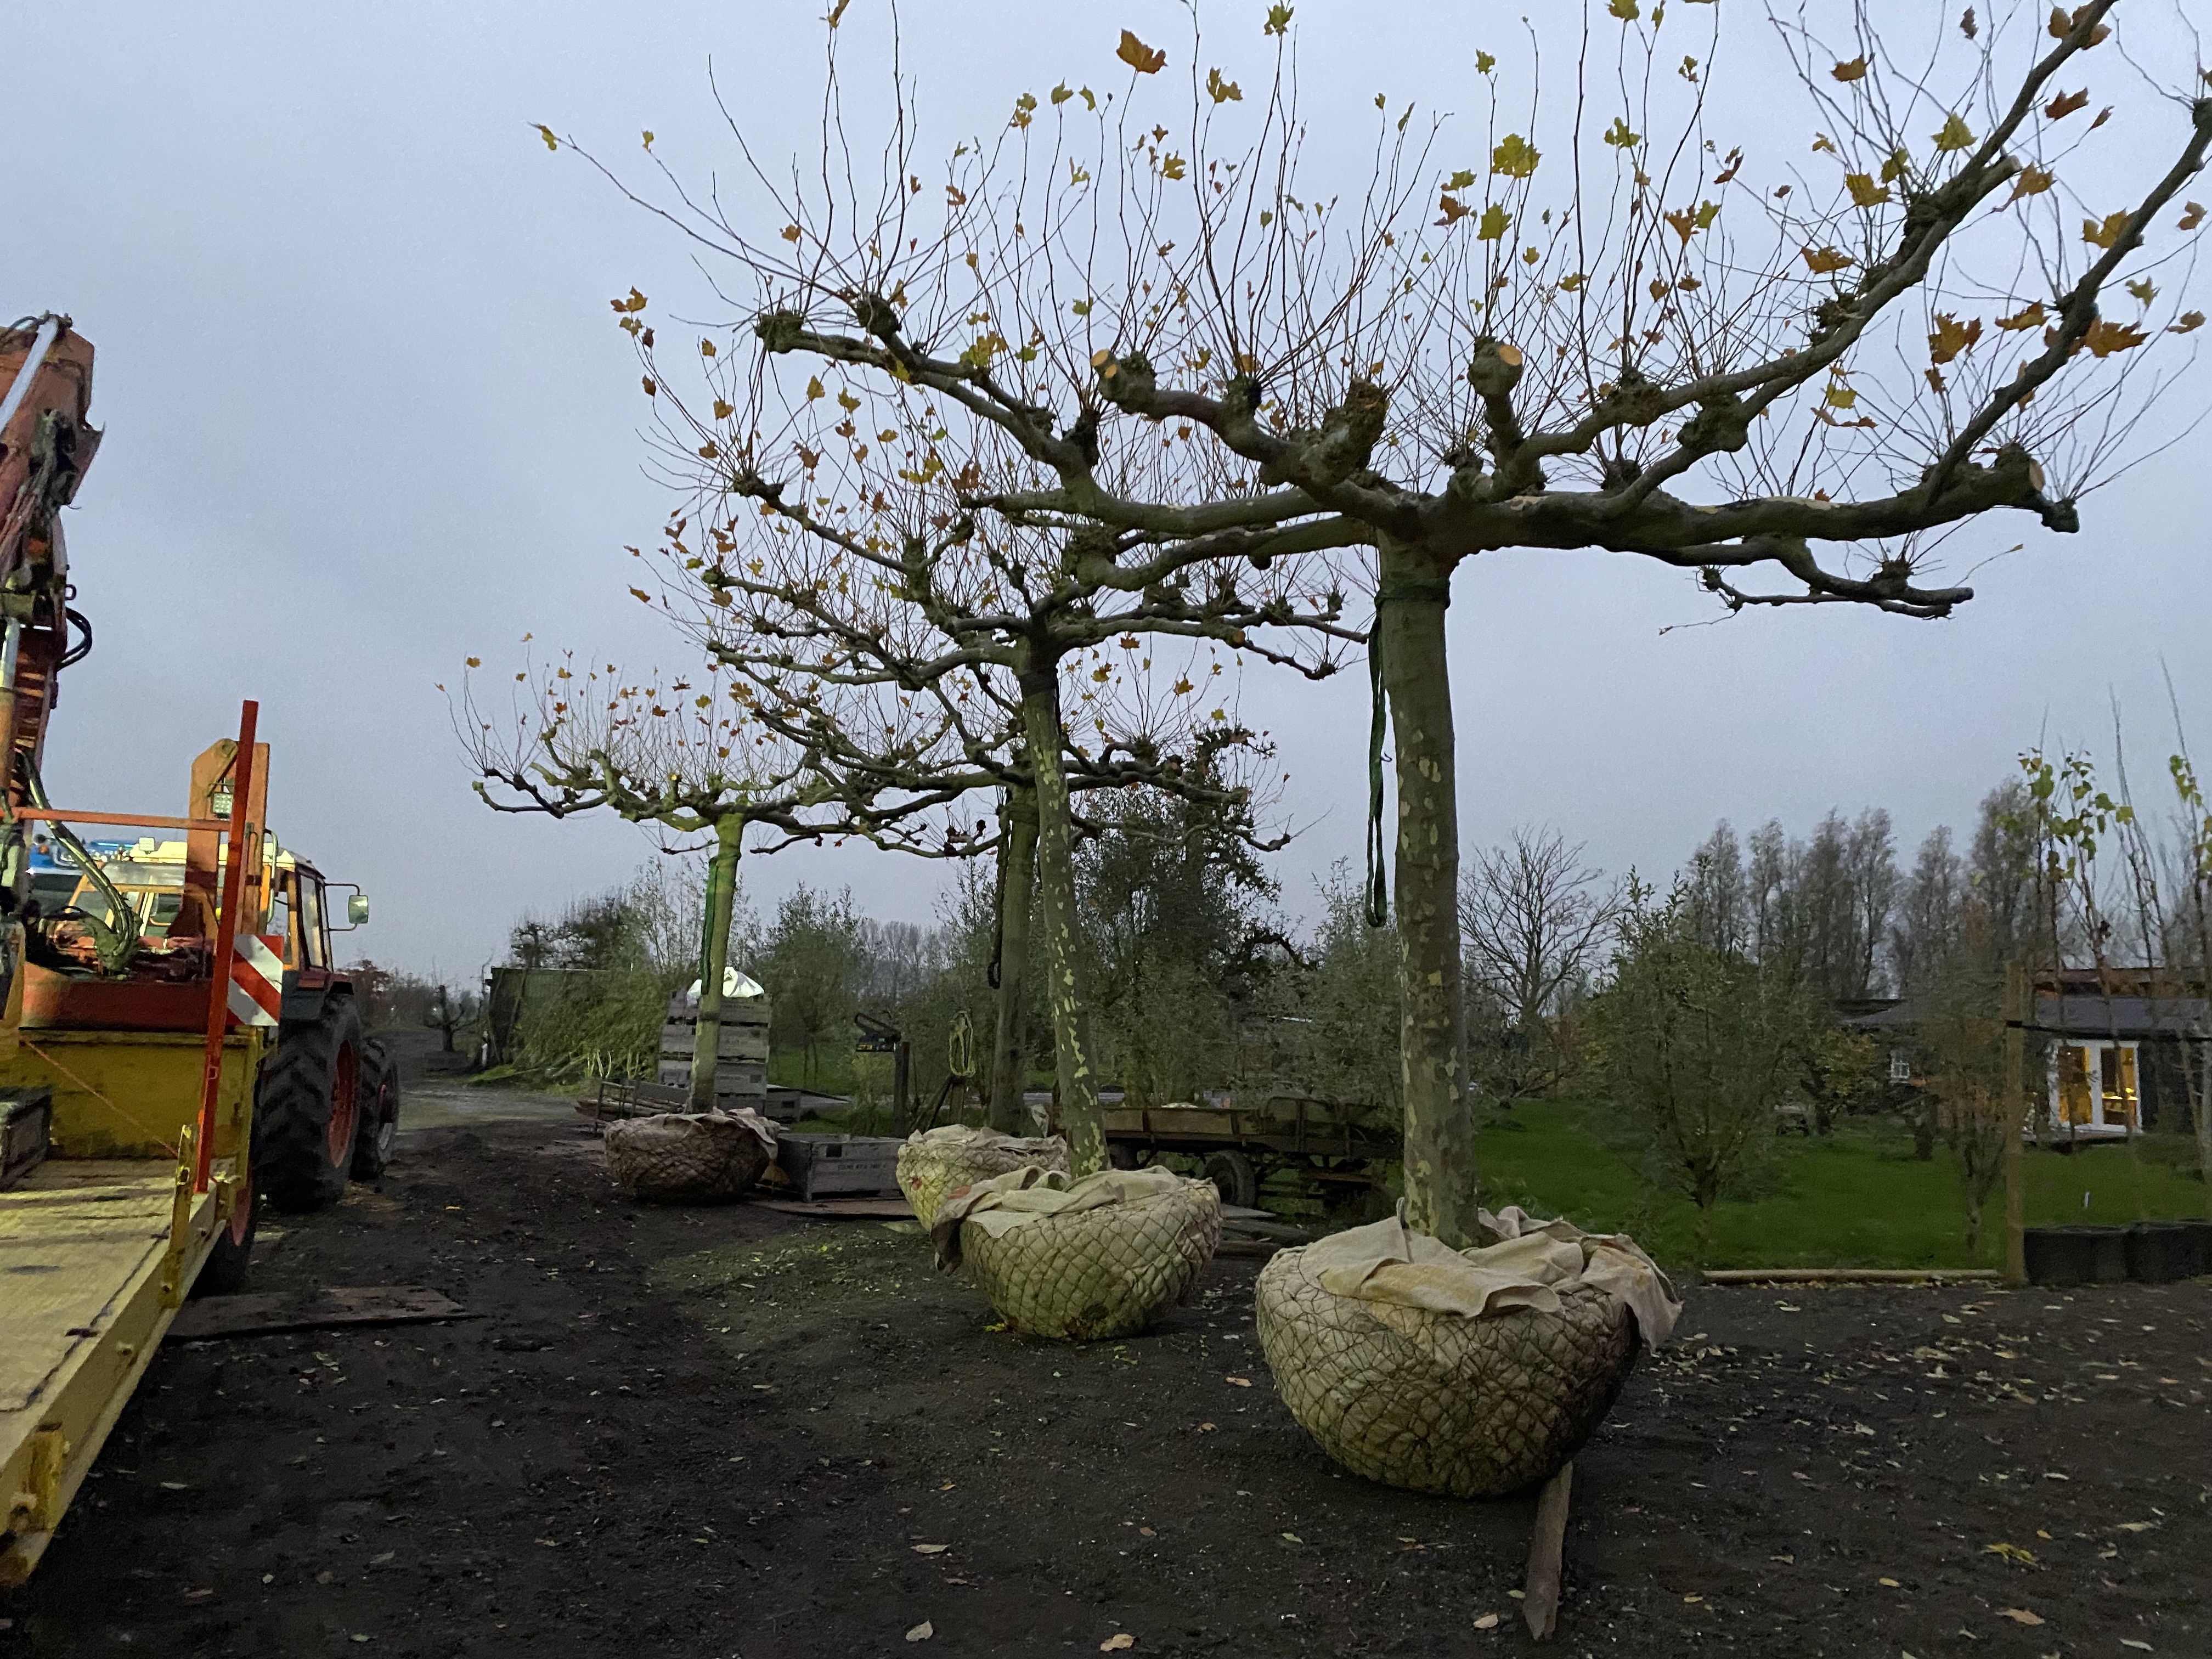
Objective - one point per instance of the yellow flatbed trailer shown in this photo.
(98, 1254)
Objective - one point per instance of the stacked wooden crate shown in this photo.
(741, 1071)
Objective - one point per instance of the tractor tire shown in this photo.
(1234, 1178)
(224, 1273)
(307, 1110)
(379, 1111)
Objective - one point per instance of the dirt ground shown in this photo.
(736, 1434)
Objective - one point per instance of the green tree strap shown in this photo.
(1434, 590)
(1378, 879)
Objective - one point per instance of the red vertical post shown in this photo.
(226, 933)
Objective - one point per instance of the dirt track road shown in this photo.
(728, 1432)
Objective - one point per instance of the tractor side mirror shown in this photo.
(357, 908)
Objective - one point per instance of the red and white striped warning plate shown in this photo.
(257, 978)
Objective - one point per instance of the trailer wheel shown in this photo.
(307, 1110)
(1233, 1173)
(224, 1273)
(379, 1111)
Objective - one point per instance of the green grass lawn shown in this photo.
(1855, 1199)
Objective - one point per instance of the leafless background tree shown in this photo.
(1539, 923)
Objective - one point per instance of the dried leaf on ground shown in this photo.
(2020, 1615)
(921, 1633)
(1116, 1643)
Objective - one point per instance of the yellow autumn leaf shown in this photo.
(1453, 209)
(1852, 71)
(1825, 259)
(641, 595)
(2143, 290)
(2192, 215)
(546, 133)
(1460, 180)
(2061, 26)
(2106, 232)
(1618, 135)
(1223, 92)
(476, 662)
(1516, 158)
(1624, 9)
(1840, 397)
(1139, 56)
(1496, 222)
(2031, 316)
(2105, 336)
(814, 388)
(1172, 168)
(2032, 181)
(1864, 191)
(2190, 323)
(2066, 103)
(1950, 337)
(1954, 135)
(1278, 20)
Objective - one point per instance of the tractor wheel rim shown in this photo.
(345, 1105)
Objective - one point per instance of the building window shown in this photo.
(2093, 1087)
(1900, 1066)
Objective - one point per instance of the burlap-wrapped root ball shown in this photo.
(1479, 1408)
(689, 1158)
(1127, 1246)
(943, 1160)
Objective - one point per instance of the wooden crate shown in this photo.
(741, 1068)
(817, 1164)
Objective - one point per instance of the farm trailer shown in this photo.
(172, 1034)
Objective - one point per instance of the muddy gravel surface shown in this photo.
(739, 1434)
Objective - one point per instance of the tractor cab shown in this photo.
(112, 928)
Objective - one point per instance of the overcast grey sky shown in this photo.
(366, 414)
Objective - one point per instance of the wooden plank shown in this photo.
(1540, 1603)
(1850, 1275)
(261, 1315)
(840, 1209)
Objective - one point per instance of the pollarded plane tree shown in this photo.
(686, 754)
(1048, 687)
(1639, 322)
(1136, 726)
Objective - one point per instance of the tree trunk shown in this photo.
(1065, 995)
(1439, 1148)
(1010, 1061)
(713, 959)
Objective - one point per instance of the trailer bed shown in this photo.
(85, 1253)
